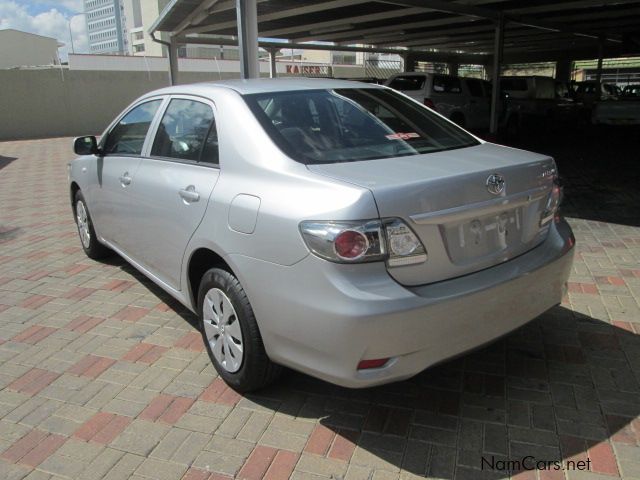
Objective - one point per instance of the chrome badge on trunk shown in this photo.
(495, 183)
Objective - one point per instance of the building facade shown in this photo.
(106, 28)
(139, 16)
(21, 49)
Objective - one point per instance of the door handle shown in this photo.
(125, 179)
(189, 194)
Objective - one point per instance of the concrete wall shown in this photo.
(56, 102)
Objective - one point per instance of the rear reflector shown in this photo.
(376, 363)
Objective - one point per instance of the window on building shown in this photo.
(138, 48)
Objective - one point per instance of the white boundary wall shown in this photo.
(83, 98)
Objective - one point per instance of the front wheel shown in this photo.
(90, 244)
(231, 334)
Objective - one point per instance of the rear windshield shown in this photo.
(330, 126)
(408, 82)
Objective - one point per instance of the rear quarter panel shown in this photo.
(250, 164)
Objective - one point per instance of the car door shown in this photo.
(173, 185)
(116, 168)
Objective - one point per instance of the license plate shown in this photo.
(492, 231)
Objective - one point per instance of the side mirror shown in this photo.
(86, 145)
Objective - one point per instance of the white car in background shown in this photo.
(624, 111)
(464, 101)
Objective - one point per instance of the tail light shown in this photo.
(429, 103)
(405, 248)
(374, 363)
(553, 201)
(364, 241)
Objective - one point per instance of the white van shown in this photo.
(465, 101)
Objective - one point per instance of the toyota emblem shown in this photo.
(495, 183)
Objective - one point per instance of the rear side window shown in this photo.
(184, 132)
(442, 84)
(475, 87)
(331, 126)
(127, 137)
(408, 82)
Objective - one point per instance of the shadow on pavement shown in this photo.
(553, 390)
(117, 261)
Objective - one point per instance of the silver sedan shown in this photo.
(340, 229)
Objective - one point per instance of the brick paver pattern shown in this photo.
(104, 376)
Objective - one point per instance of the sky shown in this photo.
(49, 18)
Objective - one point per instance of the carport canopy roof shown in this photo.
(535, 31)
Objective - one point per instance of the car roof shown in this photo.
(263, 85)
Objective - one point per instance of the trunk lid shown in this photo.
(444, 198)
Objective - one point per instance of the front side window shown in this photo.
(330, 126)
(408, 82)
(127, 137)
(183, 131)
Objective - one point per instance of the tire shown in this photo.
(242, 361)
(88, 239)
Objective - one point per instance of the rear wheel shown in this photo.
(231, 334)
(88, 239)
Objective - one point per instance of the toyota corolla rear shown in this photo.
(468, 243)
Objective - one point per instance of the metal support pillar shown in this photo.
(453, 68)
(247, 17)
(173, 62)
(599, 68)
(273, 70)
(495, 77)
(409, 61)
(564, 68)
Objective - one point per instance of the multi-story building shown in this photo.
(139, 16)
(106, 26)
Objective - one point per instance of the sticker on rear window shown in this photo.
(402, 136)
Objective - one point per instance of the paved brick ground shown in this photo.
(102, 376)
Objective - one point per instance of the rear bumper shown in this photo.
(323, 319)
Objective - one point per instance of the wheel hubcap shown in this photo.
(222, 328)
(83, 224)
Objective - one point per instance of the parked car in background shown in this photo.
(532, 101)
(337, 228)
(464, 101)
(623, 111)
(631, 91)
(589, 92)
